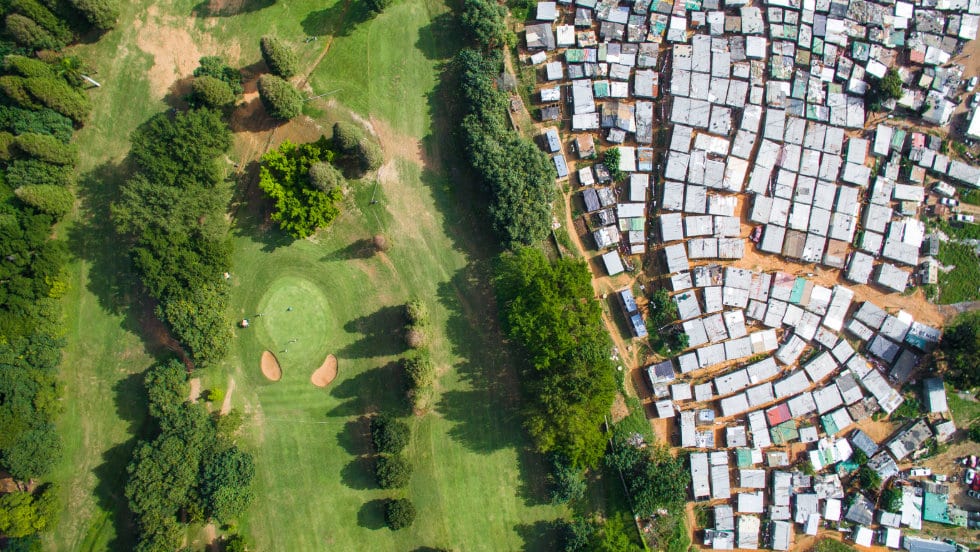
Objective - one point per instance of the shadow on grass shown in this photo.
(251, 212)
(372, 514)
(365, 393)
(129, 396)
(229, 8)
(358, 474)
(540, 535)
(440, 39)
(340, 19)
(355, 438)
(381, 334)
(360, 249)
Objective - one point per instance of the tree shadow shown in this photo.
(384, 385)
(129, 399)
(340, 19)
(176, 96)
(372, 514)
(251, 212)
(381, 334)
(229, 8)
(358, 474)
(360, 249)
(440, 39)
(540, 535)
(355, 439)
(251, 116)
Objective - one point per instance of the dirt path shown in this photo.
(226, 405)
(326, 47)
(195, 392)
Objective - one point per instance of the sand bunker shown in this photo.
(326, 373)
(270, 366)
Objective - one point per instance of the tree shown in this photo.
(29, 34)
(101, 14)
(891, 499)
(884, 89)
(41, 121)
(415, 337)
(392, 471)
(226, 484)
(369, 156)
(53, 200)
(23, 514)
(198, 320)
(235, 543)
(166, 389)
(300, 206)
(58, 95)
(47, 148)
(388, 434)
(281, 99)
(610, 158)
(417, 312)
(869, 479)
(961, 344)
(34, 172)
(278, 56)
(974, 432)
(27, 66)
(346, 137)
(378, 6)
(214, 66)
(44, 17)
(399, 513)
(33, 453)
(486, 23)
(567, 481)
(325, 177)
(860, 458)
(211, 92)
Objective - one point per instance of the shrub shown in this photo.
(28, 172)
(215, 394)
(974, 432)
(392, 471)
(869, 479)
(567, 481)
(53, 200)
(27, 66)
(214, 66)
(415, 337)
(59, 96)
(389, 435)
(29, 34)
(325, 177)
(420, 369)
(101, 14)
(891, 499)
(369, 155)
(42, 121)
(284, 177)
(278, 56)
(211, 92)
(6, 139)
(417, 312)
(281, 99)
(380, 242)
(346, 137)
(15, 89)
(43, 17)
(399, 513)
(47, 148)
(378, 6)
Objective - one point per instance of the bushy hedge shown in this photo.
(346, 136)
(14, 88)
(26, 32)
(389, 435)
(214, 66)
(392, 471)
(47, 148)
(43, 17)
(208, 91)
(41, 121)
(278, 56)
(59, 96)
(28, 172)
(351, 142)
(400, 513)
(101, 14)
(325, 177)
(27, 66)
(53, 200)
(281, 99)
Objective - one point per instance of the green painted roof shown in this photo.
(935, 507)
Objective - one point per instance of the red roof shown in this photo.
(778, 414)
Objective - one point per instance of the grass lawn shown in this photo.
(475, 484)
(964, 411)
(961, 283)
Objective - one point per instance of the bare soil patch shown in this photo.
(326, 373)
(226, 404)
(270, 366)
(195, 390)
(619, 408)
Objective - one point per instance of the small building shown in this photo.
(935, 395)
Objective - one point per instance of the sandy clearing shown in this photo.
(326, 373)
(175, 52)
(270, 366)
(226, 404)
(195, 391)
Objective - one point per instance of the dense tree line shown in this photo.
(961, 345)
(191, 470)
(37, 162)
(171, 212)
(53, 24)
(550, 311)
(519, 176)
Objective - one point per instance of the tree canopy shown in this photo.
(281, 99)
(278, 56)
(300, 205)
(961, 344)
(550, 311)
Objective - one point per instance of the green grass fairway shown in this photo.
(475, 484)
(294, 323)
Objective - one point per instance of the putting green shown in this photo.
(294, 323)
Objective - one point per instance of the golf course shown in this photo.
(476, 483)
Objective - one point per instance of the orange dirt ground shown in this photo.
(326, 373)
(270, 366)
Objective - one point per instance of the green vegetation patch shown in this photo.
(962, 283)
